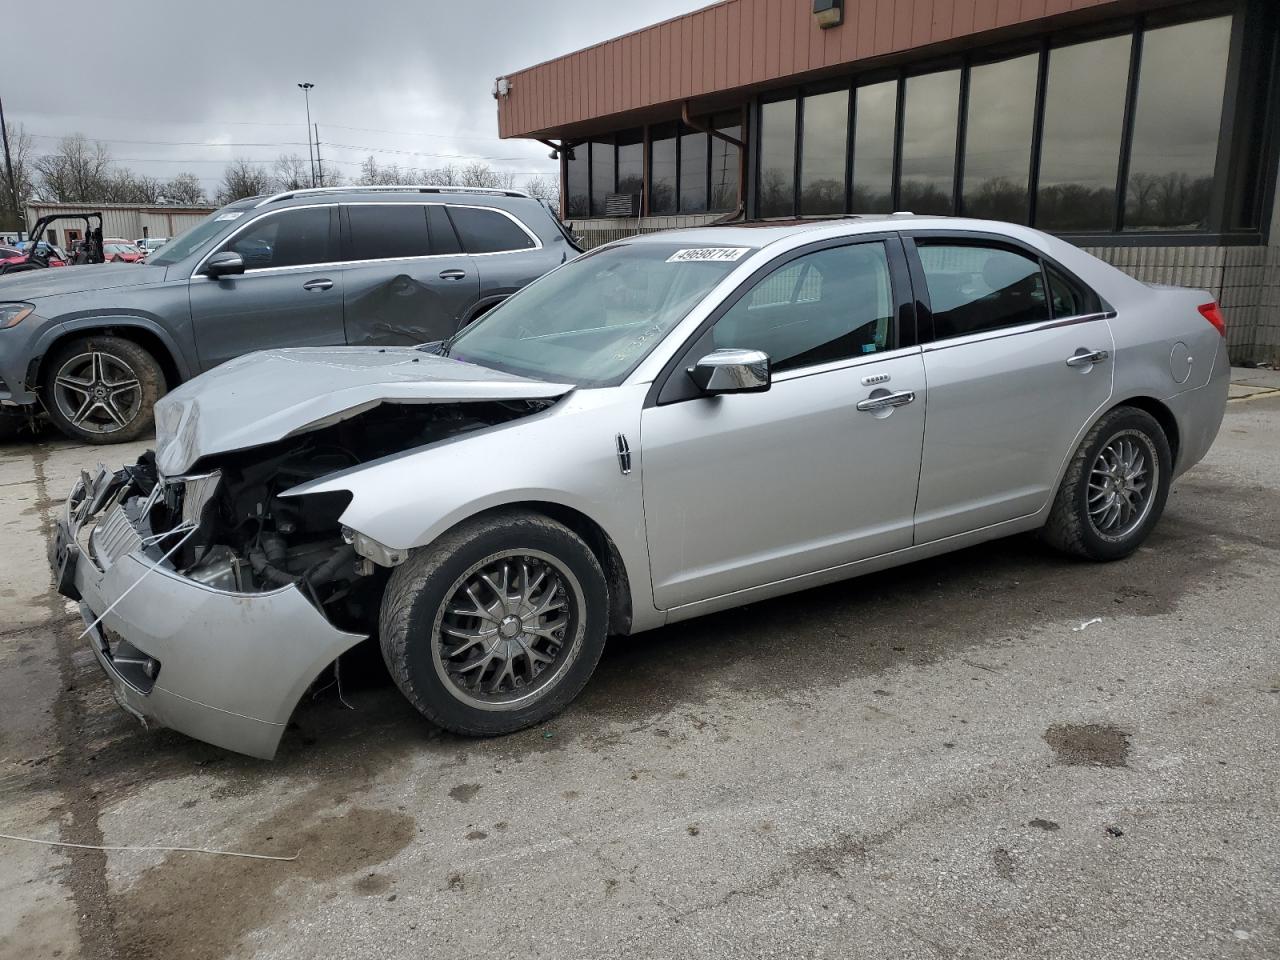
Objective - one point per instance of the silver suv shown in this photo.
(96, 346)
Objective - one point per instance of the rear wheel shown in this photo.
(496, 626)
(1115, 487)
(102, 389)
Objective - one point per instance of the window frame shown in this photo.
(977, 238)
(670, 386)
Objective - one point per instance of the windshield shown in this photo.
(199, 236)
(594, 319)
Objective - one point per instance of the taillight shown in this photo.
(1211, 313)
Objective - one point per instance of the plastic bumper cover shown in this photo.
(229, 667)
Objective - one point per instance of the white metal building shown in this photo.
(126, 221)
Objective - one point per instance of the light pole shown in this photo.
(306, 92)
(19, 222)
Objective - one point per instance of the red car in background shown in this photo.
(115, 250)
(12, 257)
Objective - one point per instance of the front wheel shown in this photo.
(496, 626)
(102, 389)
(1115, 487)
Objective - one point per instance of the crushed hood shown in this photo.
(268, 396)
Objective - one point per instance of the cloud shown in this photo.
(188, 86)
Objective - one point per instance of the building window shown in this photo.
(823, 149)
(1176, 126)
(602, 174)
(875, 124)
(693, 171)
(631, 162)
(777, 159)
(578, 182)
(997, 146)
(725, 162)
(662, 170)
(1083, 127)
(930, 116)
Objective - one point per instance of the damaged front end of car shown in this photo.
(212, 598)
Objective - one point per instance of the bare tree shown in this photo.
(185, 188)
(477, 173)
(291, 172)
(124, 186)
(544, 188)
(20, 154)
(243, 178)
(77, 172)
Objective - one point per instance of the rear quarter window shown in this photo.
(488, 231)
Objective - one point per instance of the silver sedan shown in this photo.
(666, 426)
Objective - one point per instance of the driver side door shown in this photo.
(290, 294)
(820, 470)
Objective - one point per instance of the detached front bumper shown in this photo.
(227, 668)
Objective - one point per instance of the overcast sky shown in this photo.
(391, 75)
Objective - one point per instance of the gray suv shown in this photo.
(96, 346)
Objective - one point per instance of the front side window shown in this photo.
(975, 289)
(829, 305)
(290, 238)
(488, 231)
(388, 231)
(591, 321)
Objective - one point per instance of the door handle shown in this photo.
(453, 274)
(1088, 357)
(888, 401)
(317, 285)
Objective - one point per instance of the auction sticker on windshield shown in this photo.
(704, 254)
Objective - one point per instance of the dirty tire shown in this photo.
(1069, 527)
(125, 354)
(421, 587)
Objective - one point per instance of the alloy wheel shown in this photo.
(1122, 484)
(97, 392)
(507, 630)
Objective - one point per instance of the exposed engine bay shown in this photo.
(226, 525)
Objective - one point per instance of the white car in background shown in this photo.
(150, 245)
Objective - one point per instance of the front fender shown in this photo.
(90, 323)
(567, 456)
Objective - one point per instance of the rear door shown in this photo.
(505, 253)
(407, 279)
(290, 294)
(1013, 379)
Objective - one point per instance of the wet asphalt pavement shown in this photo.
(1000, 753)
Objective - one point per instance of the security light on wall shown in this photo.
(501, 88)
(828, 13)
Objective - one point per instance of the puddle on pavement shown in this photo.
(1088, 744)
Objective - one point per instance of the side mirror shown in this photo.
(732, 371)
(224, 264)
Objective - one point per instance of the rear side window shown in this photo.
(488, 231)
(388, 231)
(975, 289)
(1068, 296)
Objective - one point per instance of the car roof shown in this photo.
(765, 232)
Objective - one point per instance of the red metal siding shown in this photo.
(738, 43)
